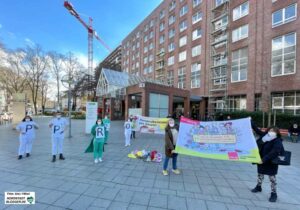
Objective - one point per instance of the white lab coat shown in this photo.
(27, 135)
(127, 131)
(58, 127)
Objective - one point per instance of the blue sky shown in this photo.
(48, 23)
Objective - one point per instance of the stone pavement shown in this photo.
(122, 183)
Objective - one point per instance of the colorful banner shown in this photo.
(151, 124)
(223, 140)
(134, 113)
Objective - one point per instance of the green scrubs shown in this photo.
(106, 123)
(96, 145)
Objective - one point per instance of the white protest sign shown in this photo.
(91, 115)
(100, 132)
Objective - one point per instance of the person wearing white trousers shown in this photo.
(58, 126)
(27, 135)
(127, 132)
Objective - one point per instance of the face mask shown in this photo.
(128, 120)
(272, 134)
(27, 120)
(99, 122)
(105, 117)
(171, 124)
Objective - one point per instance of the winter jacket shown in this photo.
(268, 151)
(169, 143)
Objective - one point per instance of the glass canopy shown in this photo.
(111, 81)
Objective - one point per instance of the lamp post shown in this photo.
(67, 81)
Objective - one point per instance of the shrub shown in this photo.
(283, 120)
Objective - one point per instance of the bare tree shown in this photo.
(36, 64)
(44, 92)
(73, 71)
(57, 67)
(72, 65)
(13, 73)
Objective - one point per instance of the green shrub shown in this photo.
(283, 121)
(78, 117)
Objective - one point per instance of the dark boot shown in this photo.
(273, 197)
(20, 157)
(61, 157)
(53, 158)
(256, 189)
(27, 154)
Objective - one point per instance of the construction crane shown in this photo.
(91, 34)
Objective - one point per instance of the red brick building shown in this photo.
(232, 55)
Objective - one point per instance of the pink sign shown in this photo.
(233, 156)
(189, 121)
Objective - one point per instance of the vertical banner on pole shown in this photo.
(90, 116)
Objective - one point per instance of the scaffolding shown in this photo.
(160, 73)
(219, 49)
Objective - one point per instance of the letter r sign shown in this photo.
(100, 132)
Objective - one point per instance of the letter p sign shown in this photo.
(28, 127)
(56, 128)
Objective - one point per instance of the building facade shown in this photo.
(238, 54)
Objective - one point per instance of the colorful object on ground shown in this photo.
(223, 140)
(151, 124)
(149, 156)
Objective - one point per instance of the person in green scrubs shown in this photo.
(106, 122)
(98, 132)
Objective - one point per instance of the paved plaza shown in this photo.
(123, 183)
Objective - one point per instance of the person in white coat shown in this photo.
(58, 126)
(127, 132)
(27, 135)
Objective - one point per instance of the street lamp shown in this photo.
(67, 81)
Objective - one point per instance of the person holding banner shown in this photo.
(171, 135)
(106, 123)
(98, 131)
(270, 145)
(27, 135)
(127, 132)
(58, 126)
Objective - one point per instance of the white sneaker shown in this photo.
(100, 159)
(96, 160)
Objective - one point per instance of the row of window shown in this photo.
(287, 102)
(196, 34)
(196, 51)
(284, 102)
(279, 17)
(233, 103)
(283, 59)
(195, 76)
(183, 9)
(183, 25)
(195, 19)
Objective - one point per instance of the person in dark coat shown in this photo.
(171, 135)
(294, 132)
(270, 146)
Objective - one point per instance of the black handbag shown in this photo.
(283, 159)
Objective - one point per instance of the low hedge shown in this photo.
(283, 121)
(78, 117)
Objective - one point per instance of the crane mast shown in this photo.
(91, 34)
